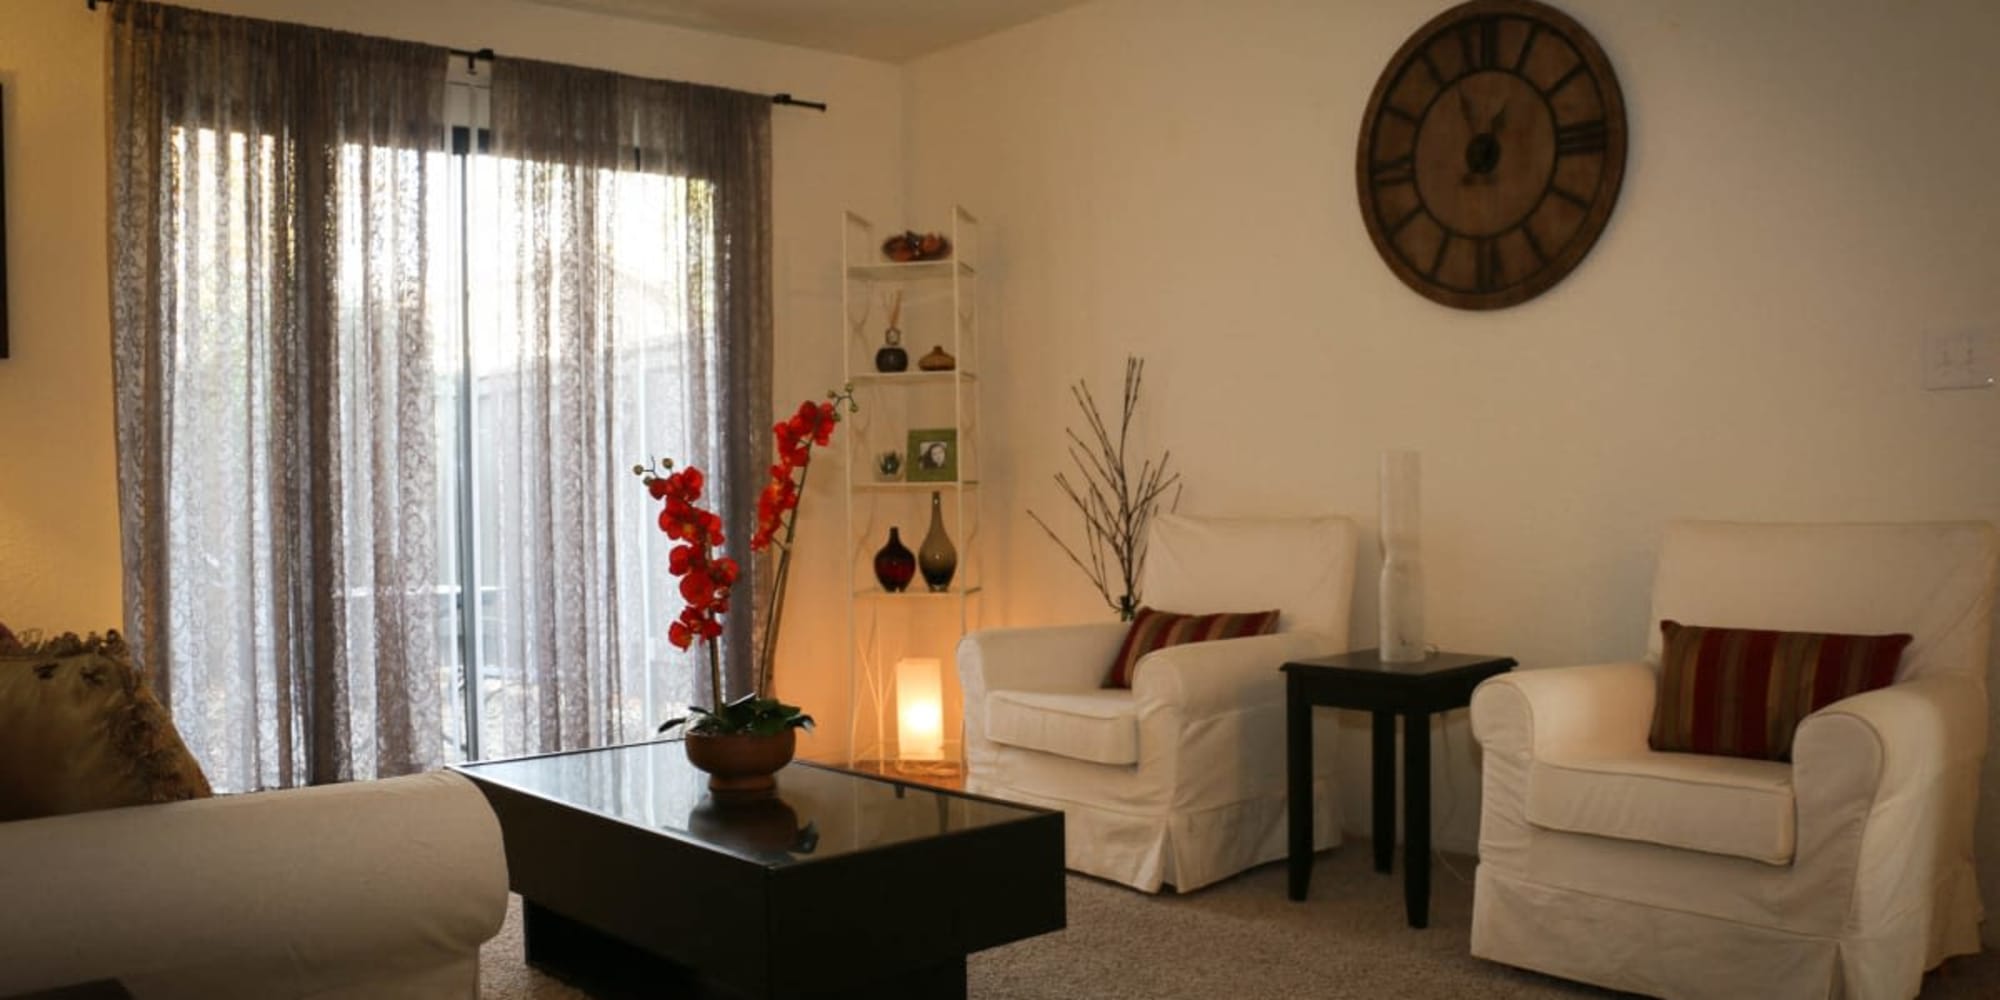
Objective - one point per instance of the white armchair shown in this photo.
(371, 890)
(1845, 872)
(1180, 780)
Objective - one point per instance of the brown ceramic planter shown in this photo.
(741, 765)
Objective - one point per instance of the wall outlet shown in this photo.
(1960, 359)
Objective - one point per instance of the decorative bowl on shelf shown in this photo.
(911, 245)
(938, 360)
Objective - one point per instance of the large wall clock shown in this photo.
(1491, 153)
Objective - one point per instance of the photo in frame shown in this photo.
(933, 456)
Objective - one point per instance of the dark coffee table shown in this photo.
(635, 883)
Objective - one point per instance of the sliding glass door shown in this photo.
(562, 370)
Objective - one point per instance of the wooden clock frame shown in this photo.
(1491, 153)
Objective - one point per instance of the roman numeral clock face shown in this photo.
(1491, 153)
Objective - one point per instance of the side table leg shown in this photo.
(1384, 785)
(1417, 818)
(1298, 785)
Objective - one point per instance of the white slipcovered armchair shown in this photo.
(366, 890)
(1181, 779)
(1845, 872)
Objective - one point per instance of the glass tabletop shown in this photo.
(818, 812)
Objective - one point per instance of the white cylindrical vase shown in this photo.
(1402, 587)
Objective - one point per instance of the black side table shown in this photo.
(1440, 682)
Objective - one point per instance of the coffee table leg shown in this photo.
(1417, 818)
(1298, 785)
(584, 956)
(1385, 790)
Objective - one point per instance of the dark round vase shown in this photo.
(891, 357)
(741, 766)
(895, 564)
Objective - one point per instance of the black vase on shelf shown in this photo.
(891, 357)
(936, 557)
(894, 564)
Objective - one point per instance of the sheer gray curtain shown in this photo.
(378, 401)
(622, 288)
(276, 269)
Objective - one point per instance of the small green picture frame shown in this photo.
(933, 456)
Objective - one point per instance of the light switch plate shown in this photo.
(1960, 359)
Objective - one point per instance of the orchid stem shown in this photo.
(715, 674)
(767, 657)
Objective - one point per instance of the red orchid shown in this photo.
(795, 437)
(707, 578)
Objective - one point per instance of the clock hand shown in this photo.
(1465, 108)
(1499, 118)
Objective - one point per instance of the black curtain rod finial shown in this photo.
(789, 100)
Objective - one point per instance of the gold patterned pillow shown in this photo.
(81, 730)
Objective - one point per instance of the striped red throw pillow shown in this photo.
(1153, 630)
(1741, 692)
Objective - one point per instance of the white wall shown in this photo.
(58, 503)
(1808, 192)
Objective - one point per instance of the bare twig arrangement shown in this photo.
(1116, 505)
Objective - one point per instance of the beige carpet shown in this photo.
(1243, 940)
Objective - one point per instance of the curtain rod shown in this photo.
(785, 99)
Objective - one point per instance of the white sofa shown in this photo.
(1843, 873)
(1179, 780)
(378, 889)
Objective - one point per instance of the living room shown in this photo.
(1804, 214)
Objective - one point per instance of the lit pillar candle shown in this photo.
(919, 709)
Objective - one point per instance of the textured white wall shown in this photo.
(1808, 192)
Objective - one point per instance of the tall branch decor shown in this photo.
(1116, 504)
